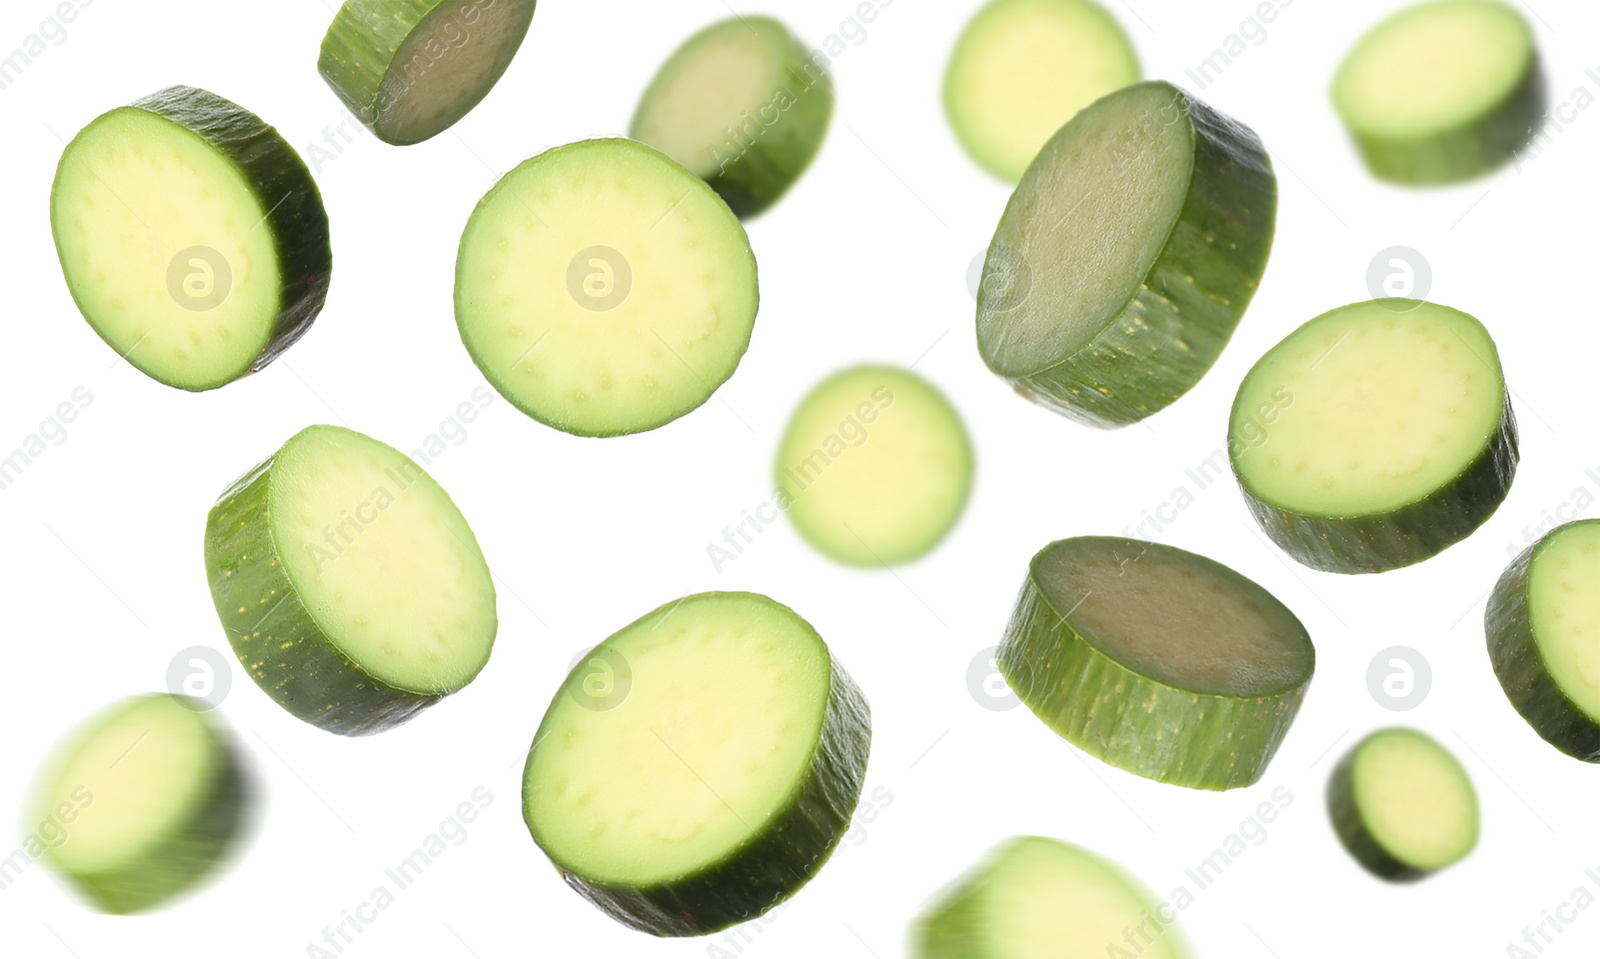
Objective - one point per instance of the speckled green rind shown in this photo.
(772, 867)
(274, 635)
(1134, 722)
(1170, 333)
(362, 44)
(184, 859)
(1518, 664)
(1352, 830)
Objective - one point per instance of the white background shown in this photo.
(865, 260)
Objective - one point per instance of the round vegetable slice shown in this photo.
(192, 237)
(1160, 662)
(1403, 806)
(603, 289)
(1037, 898)
(744, 105)
(1127, 255)
(875, 466)
(1022, 68)
(699, 766)
(409, 69)
(1375, 436)
(1543, 626)
(139, 804)
(349, 584)
(1442, 92)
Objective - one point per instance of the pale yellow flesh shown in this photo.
(1023, 68)
(445, 65)
(1386, 407)
(1433, 68)
(655, 355)
(878, 464)
(1415, 799)
(719, 726)
(132, 777)
(407, 595)
(134, 191)
(1177, 619)
(1564, 611)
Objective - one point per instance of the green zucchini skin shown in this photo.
(1404, 536)
(1352, 830)
(770, 868)
(955, 930)
(1521, 670)
(1175, 327)
(1465, 153)
(1131, 721)
(273, 633)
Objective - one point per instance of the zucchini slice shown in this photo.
(711, 785)
(1160, 662)
(1127, 255)
(140, 804)
(350, 586)
(875, 466)
(744, 105)
(409, 69)
(1022, 68)
(1375, 436)
(1442, 92)
(1037, 898)
(603, 289)
(192, 237)
(1403, 806)
(1541, 625)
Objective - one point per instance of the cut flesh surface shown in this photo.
(444, 68)
(1415, 799)
(1564, 612)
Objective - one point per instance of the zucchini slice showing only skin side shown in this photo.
(1160, 662)
(875, 466)
(744, 105)
(1037, 898)
(350, 586)
(1541, 624)
(603, 289)
(1127, 255)
(140, 804)
(192, 237)
(1022, 68)
(700, 766)
(409, 69)
(1402, 805)
(1442, 92)
(1375, 436)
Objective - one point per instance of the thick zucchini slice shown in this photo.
(409, 69)
(1403, 806)
(1375, 436)
(192, 237)
(1022, 68)
(744, 105)
(1543, 626)
(1160, 662)
(1036, 898)
(875, 466)
(1127, 255)
(708, 774)
(1442, 92)
(603, 289)
(349, 584)
(139, 804)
